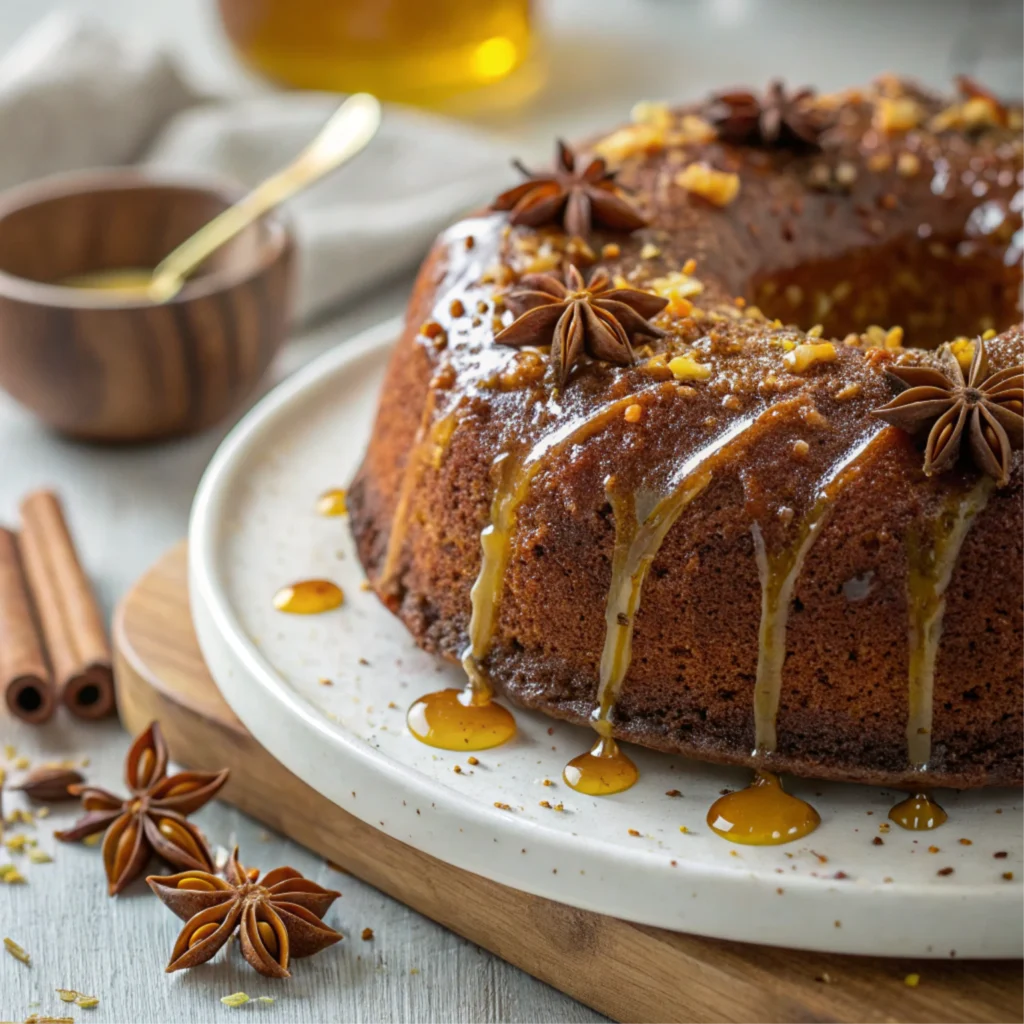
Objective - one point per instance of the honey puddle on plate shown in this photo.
(309, 597)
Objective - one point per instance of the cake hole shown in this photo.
(935, 289)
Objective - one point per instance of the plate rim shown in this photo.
(230, 654)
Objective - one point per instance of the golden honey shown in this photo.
(332, 503)
(401, 50)
(918, 813)
(763, 814)
(456, 720)
(309, 597)
(601, 771)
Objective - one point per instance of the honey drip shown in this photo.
(601, 771)
(932, 551)
(516, 473)
(454, 720)
(470, 719)
(309, 597)
(332, 503)
(763, 814)
(428, 450)
(918, 813)
(637, 543)
(778, 573)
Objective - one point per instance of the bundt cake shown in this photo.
(710, 437)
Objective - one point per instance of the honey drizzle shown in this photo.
(516, 475)
(428, 447)
(636, 546)
(778, 573)
(932, 553)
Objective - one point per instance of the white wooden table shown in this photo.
(129, 505)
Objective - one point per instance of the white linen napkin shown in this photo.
(75, 95)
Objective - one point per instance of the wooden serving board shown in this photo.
(627, 971)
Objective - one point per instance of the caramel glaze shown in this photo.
(933, 250)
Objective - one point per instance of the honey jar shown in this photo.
(426, 52)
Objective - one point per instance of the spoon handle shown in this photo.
(347, 132)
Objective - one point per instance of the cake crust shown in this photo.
(913, 229)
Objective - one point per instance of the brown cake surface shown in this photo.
(899, 233)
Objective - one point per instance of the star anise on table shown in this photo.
(277, 917)
(151, 819)
(577, 198)
(776, 118)
(576, 317)
(988, 408)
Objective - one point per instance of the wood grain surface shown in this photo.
(95, 368)
(628, 972)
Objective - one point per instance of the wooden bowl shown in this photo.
(112, 368)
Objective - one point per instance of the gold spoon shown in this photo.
(347, 132)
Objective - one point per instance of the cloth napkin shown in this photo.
(74, 94)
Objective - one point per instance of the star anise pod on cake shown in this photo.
(989, 409)
(277, 917)
(151, 819)
(577, 198)
(776, 118)
(575, 317)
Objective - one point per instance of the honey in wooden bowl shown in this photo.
(100, 363)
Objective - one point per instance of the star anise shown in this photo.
(575, 318)
(277, 918)
(152, 819)
(579, 198)
(989, 408)
(777, 118)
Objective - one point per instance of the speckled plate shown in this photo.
(254, 529)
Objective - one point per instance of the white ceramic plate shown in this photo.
(254, 529)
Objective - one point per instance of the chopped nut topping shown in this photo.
(687, 368)
(678, 287)
(634, 140)
(806, 357)
(16, 951)
(846, 174)
(898, 114)
(718, 187)
(648, 112)
(907, 165)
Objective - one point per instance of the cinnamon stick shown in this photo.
(29, 691)
(73, 629)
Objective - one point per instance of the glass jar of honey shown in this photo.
(427, 52)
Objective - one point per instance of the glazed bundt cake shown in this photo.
(710, 437)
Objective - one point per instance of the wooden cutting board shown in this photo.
(627, 971)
